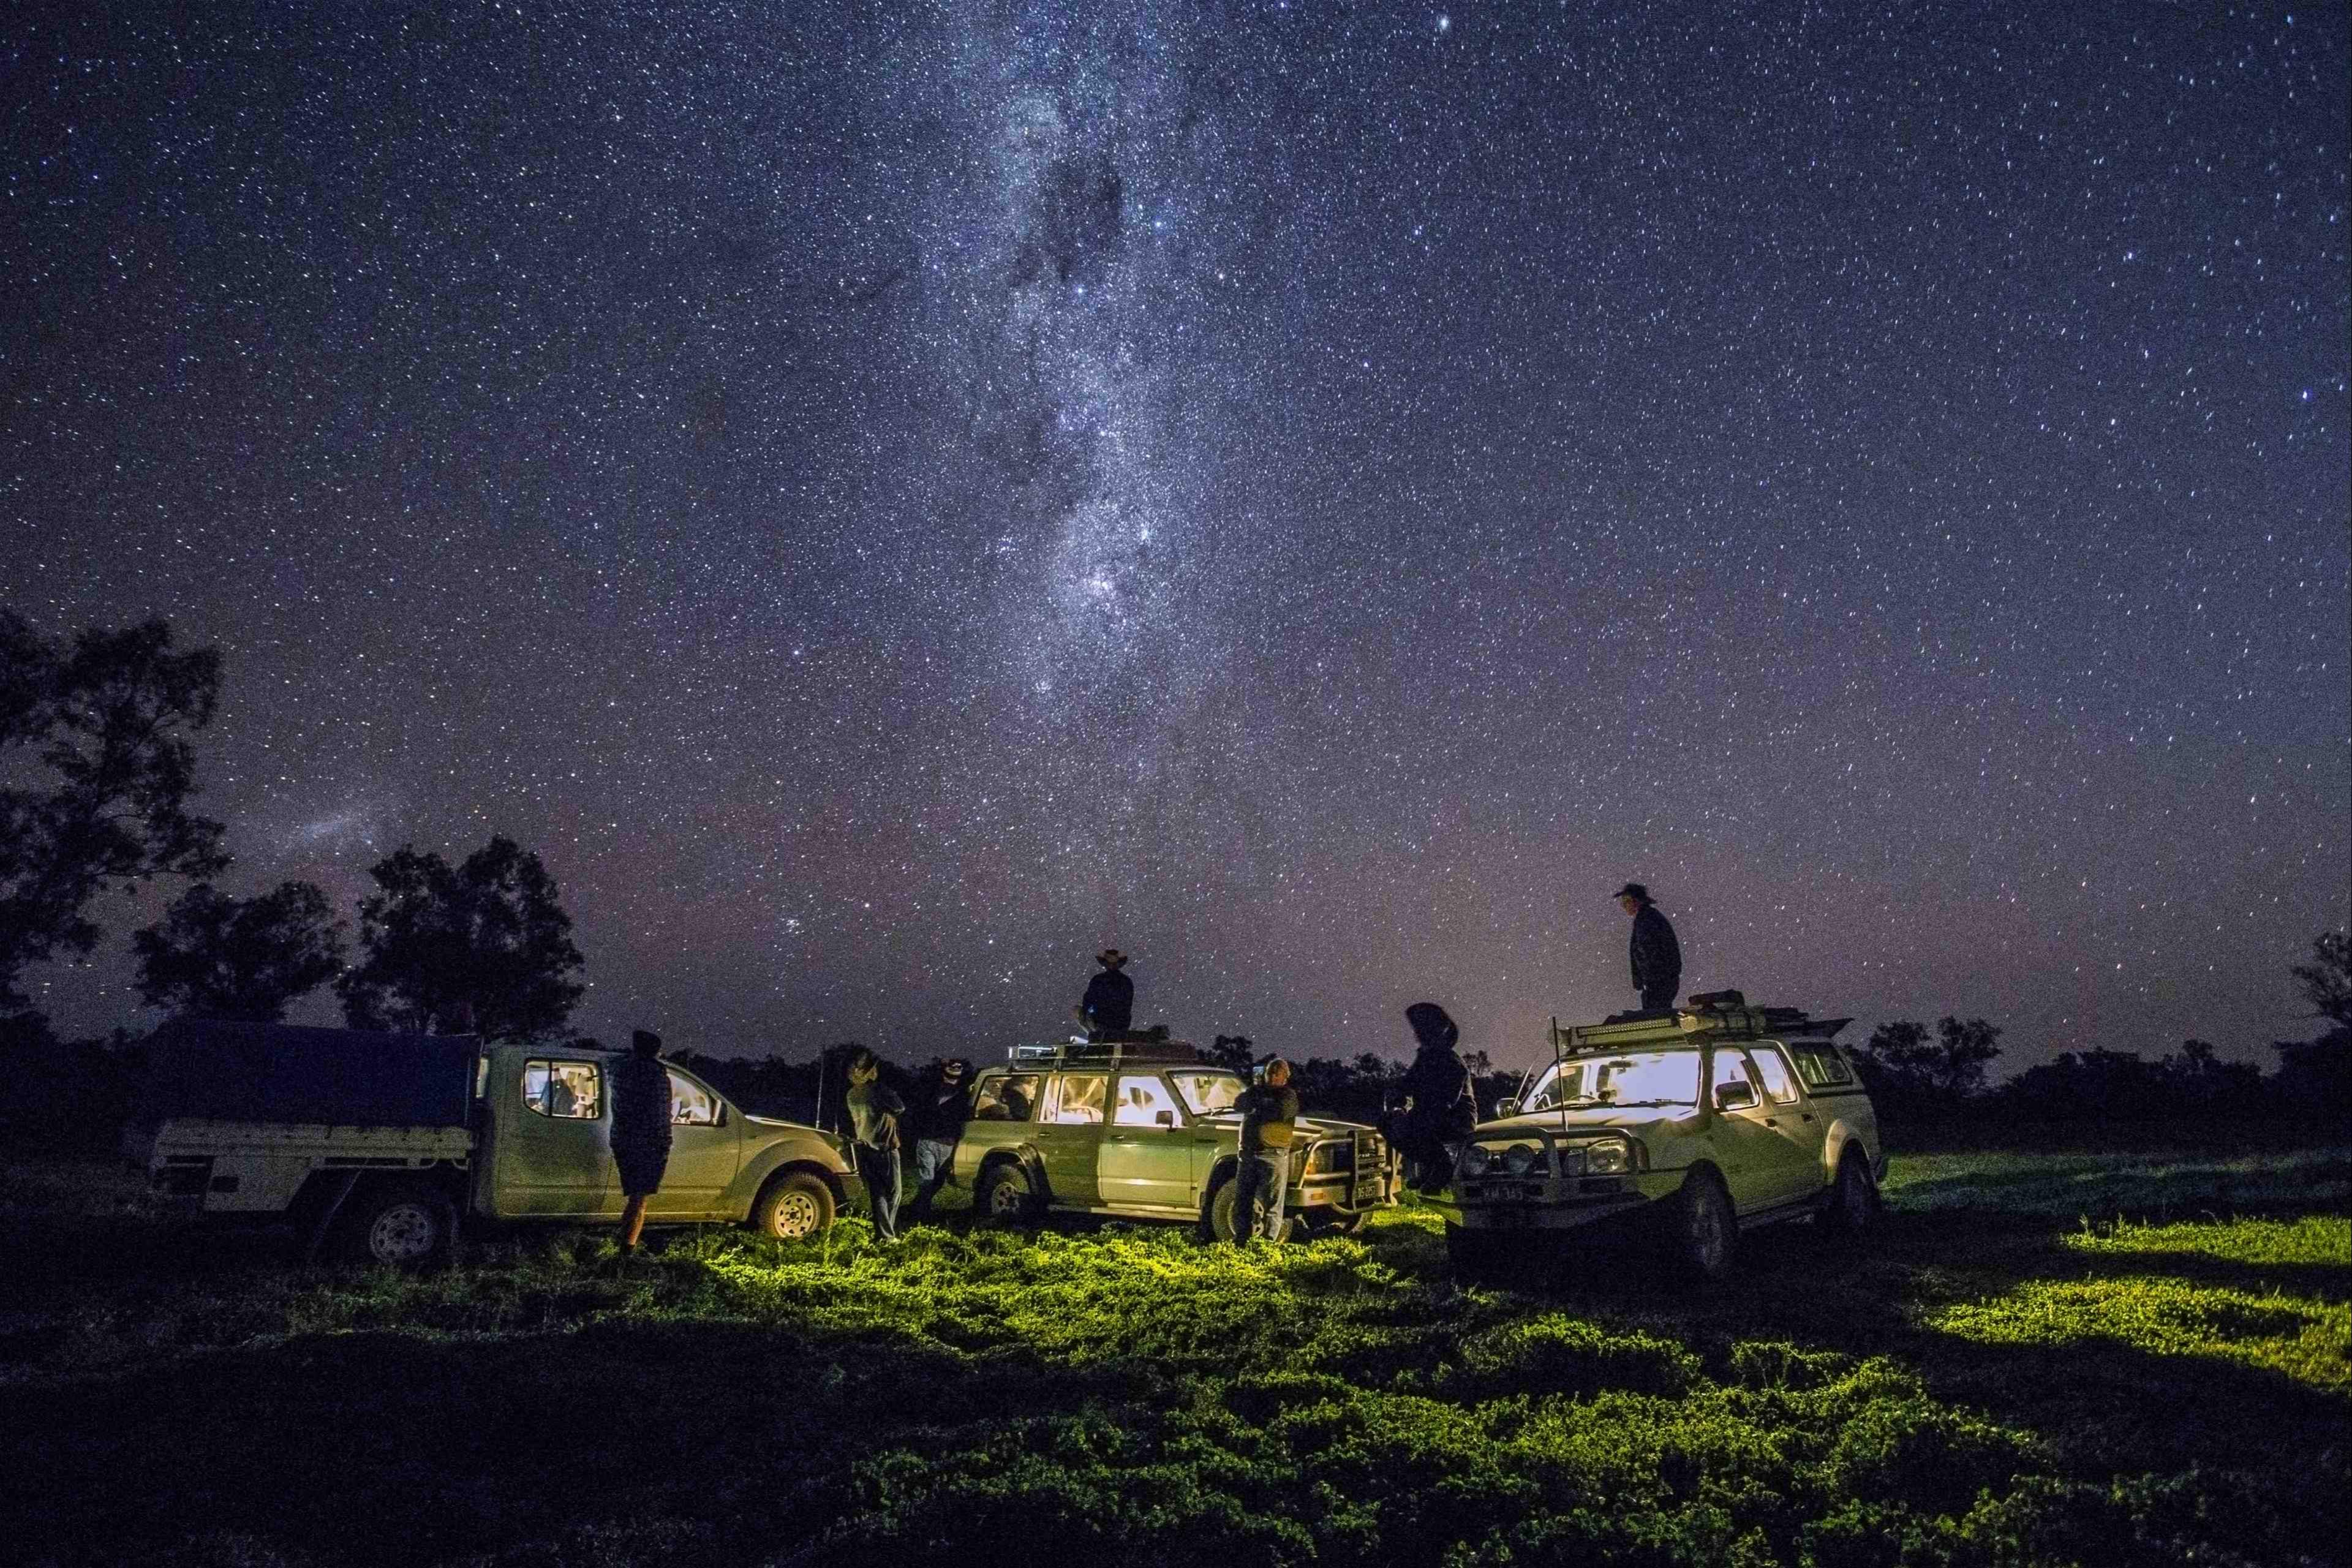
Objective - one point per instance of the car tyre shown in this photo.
(399, 1225)
(792, 1206)
(1852, 1203)
(1704, 1231)
(1224, 1224)
(1008, 1195)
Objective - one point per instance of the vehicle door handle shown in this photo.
(1809, 1116)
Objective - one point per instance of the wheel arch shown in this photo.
(1026, 1155)
(1843, 1135)
(810, 1152)
(801, 1166)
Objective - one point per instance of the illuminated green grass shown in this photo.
(1986, 1381)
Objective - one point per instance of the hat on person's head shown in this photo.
(646, 1043)
(1432, 1026)
(955, 1066)
(1633, 890)
(1110, 958)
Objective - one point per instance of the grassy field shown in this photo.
(2065, 1358)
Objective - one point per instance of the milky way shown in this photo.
(887, 500)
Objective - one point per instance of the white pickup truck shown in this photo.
(375, 1144)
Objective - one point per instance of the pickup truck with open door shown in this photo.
(376, 1145)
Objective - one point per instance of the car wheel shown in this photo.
(1852, 1202)
(1007, 1195)
(1704, 1227)
(402, 1225)
(792, 1206)
(1482, 1255)
(1224, 1224)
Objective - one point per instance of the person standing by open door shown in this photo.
(641, 1133)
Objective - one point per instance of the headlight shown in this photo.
(1521, 1158)
(1612, 1158)
(1333, 1155)
(1475, 1159)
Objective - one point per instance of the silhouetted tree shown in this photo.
(1912, 1077)
(93, 739)
(489, 935)
(219, 957)
(2315, 1078)
(1236, 1051)
(2326, 980)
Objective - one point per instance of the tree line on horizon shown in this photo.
(100, 725)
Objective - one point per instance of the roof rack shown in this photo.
(1101, 1053)
(1712, 1016)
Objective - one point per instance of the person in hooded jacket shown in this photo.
(1438, 1108)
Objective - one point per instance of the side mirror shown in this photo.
(1506, 1105)
(1734, 1096)
(1165, 1118)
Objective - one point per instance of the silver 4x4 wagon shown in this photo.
(1147, 1130)
(1700, 1124)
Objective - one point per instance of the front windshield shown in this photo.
(1637, 1078)
(1207, 1093)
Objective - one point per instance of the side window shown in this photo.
(691, 1104)
(1732, 1076)
(1005, 1096)
(568, 1091)
(1144, 1101)
(1080, 1101)
(1778, 1086)
(1821, 1066)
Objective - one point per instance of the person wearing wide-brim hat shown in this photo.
(1109, 1005)
(1657, 957)
(1440, 1110)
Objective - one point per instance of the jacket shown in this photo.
(1268, 1117)
(1109, 1001)
(641, 1104)
(1657, 957)
(874, 1111)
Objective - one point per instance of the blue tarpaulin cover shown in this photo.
(200, 1067)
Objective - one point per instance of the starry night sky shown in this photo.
(888, 500)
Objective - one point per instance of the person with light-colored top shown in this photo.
(874, 1111)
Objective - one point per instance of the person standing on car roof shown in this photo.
(942, 1106)
(1657, 956)
(641, 1114)
(1108, 1006)
(1269, 1110)
(1439, 1110)
(874, 1111)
